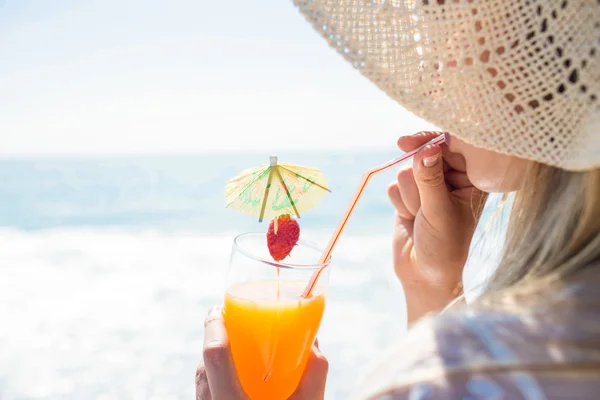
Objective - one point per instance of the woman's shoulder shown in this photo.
(433, 346)
(462, 354)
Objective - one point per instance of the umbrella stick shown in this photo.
(264, 204)
(287, 192)
(305, 178)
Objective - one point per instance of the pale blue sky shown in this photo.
(131, 76)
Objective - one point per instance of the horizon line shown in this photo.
(192, 153)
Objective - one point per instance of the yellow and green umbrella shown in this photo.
(274, 189)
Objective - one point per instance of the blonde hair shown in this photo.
(553, 231)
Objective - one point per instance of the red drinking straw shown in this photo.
(359, 191)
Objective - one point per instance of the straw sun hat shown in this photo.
(520, 77)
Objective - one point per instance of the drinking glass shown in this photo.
(271, 327)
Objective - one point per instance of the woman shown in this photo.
(516, 83)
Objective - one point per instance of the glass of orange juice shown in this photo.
(271, 327)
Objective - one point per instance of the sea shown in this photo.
(108, 265)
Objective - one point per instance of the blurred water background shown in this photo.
(109, 264)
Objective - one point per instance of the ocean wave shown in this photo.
(118, 314)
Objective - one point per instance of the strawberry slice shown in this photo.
(282, 236)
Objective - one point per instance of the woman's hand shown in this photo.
(216, 378)
(437, 209)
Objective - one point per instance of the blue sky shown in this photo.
(132, 76)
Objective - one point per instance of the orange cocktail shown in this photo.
(271, 327)
(271, 331)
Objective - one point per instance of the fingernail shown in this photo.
(215, 313)
(431, 160)
(214, 310)
(447, 138)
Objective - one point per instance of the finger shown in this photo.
(218, 362)
(316, 343)
(457, 180)
(429, 176)
(202, 388)
(314, 379)
(453, 161)
(462, 188)
(409, 190)
(411, 142)
(472, 200)
(396, 200)
(403, 230)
